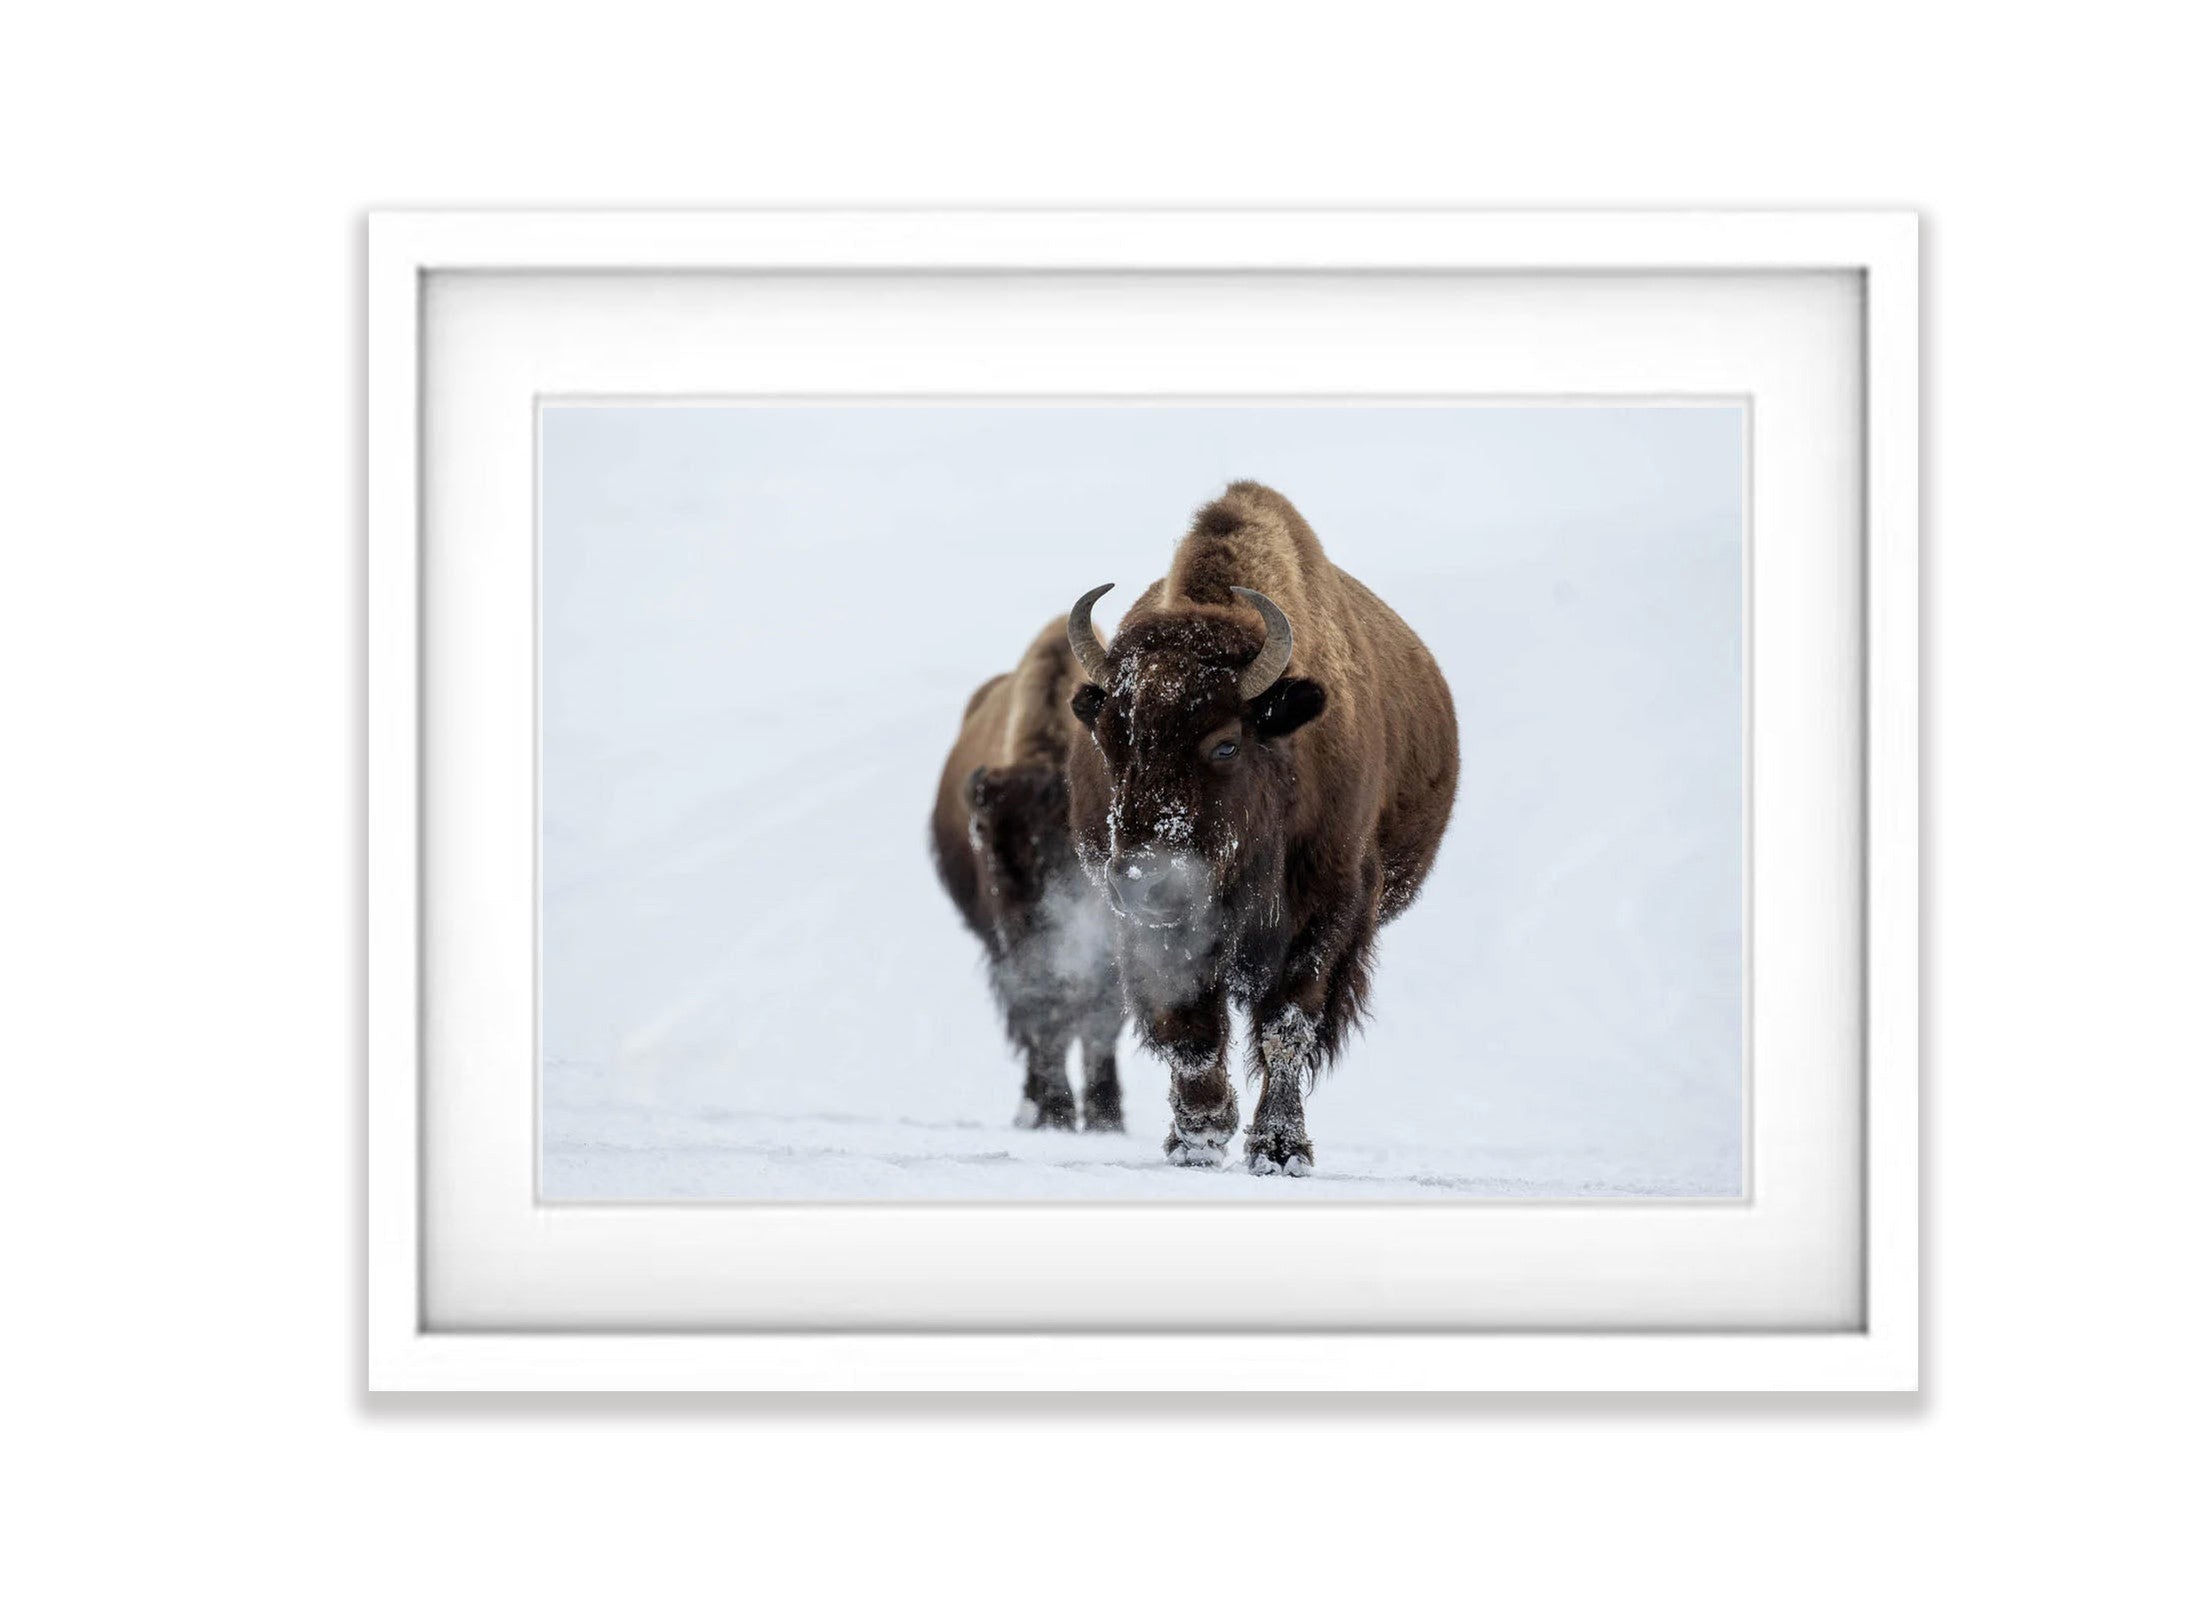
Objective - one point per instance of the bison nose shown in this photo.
(1148, 888)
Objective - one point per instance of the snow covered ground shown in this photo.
(759, 630)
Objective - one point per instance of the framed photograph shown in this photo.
(1143, 801)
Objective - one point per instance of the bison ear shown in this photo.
(1085, 703)
(1287, 706)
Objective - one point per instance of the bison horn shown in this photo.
(1083, 644)
(1274, 656)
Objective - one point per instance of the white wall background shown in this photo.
(760, 627)
(178, 628)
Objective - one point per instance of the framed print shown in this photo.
(1182, 801)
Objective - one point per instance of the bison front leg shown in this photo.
(1195, 1042)
(1277, 1141)
(1296, 1029)
(1102, 1088)
(1048, 1100)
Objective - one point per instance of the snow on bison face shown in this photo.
(1200, 775)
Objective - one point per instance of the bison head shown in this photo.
(1192, 712)
(1019, 834)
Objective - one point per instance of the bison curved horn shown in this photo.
(1083, 644)
(1274, 657)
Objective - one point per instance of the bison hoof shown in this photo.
(1047, 1113)
(1264, 1157)
(1201, 1147)
(1102, 1119)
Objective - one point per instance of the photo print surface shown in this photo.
(1377, 835)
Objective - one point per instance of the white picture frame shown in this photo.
(407, 1350)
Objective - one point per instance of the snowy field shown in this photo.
(760, 627)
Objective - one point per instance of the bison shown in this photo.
(1000, 839)
(1268, 771)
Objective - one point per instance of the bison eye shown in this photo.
(1224, 751)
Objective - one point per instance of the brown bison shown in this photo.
(1270, 767)
(1000, 838)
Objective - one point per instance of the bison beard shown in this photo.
(1269, 768)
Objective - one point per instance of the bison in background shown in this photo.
(1000, 839)
(1271, 760)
